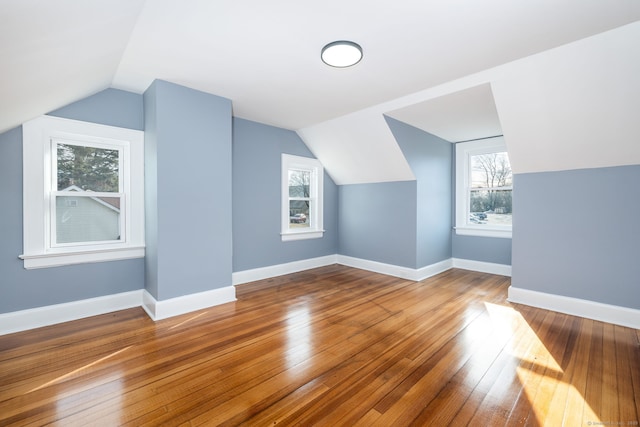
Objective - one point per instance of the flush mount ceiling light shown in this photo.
(341, 54)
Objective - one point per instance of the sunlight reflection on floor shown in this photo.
(79, 370)
(298, 336)
(190, 319)
(550, 394)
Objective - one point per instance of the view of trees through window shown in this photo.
(78, 216)
(89, 168)
(491, 189)
(299, 198)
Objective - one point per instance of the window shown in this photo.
(302, 183)
(87, 193)
(83, 192)
(484, 186)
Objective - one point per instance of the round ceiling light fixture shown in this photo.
(341, 54)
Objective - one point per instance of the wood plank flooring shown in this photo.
(333, 346)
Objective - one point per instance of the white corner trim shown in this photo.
(164, 309)
(617, 315)
(252, 275)
(52, 314)
(482, 267)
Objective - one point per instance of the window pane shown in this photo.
(87, 219)
(299, 182)
(490, 207)
(491, 170)
(93, 169)
(299, 214)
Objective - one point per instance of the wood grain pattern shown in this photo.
(331, 346)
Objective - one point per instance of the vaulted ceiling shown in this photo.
(265, 57)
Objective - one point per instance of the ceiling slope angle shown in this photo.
(53, 53)
(461, 116)
(358, 148)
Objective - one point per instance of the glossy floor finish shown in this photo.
(331, 346)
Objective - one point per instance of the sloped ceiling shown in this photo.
(264, 56)
(461, 116)
(571, 107)
(53, 53)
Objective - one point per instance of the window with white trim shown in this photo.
(302, 195)
(484, 188)
(83, 192)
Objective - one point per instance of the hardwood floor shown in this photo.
(331, 346)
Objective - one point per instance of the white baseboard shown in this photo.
(252, 275)
(58, 313)
(617, 315)
(433, 269)
(157, 310)
(377, 267)
(32, 318)
(164, 309)
(395, 270)
(482, 267)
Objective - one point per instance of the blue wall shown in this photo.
(110, 107)
(257, 150)
(577, 234)
(419, 233)
(485, 249)
(187, 190)
(22, 289)
(430, 159)
(402, 223)
(377, 222)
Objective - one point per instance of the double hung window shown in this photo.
(83, 192)
(484, 187)
(302, 187)
(87, 194)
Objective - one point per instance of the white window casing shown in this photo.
(40, 137)
(464, 152)
(315, 228)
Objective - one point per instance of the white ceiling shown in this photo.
(461, 116)
(572, 107)
(265, 55)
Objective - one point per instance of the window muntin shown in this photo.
(302, 186)
(484, 187)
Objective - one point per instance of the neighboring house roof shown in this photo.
(110, 202)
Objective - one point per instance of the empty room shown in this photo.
(337, 213)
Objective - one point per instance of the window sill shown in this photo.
(60, 259)
(483, 232)
(302, 235)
